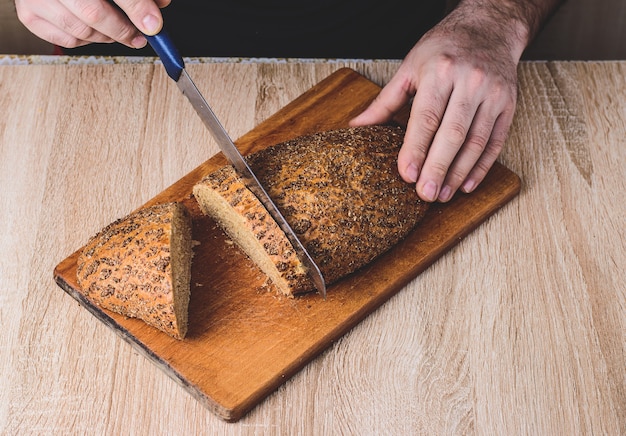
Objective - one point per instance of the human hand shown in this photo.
(462, 76)
(72, 23)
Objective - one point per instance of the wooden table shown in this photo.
(520, 329)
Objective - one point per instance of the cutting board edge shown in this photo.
(143, 349)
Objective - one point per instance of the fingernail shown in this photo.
(411, 173)
(468, 186)
(429, 191)
(139, 42)
(151, 24)
(445, 194)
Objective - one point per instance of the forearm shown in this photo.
(513, 22)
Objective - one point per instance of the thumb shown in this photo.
(394, 96)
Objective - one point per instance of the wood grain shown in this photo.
(244, 339)
(518, 329)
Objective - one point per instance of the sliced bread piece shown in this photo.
(140, 266)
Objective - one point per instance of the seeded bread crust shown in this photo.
(339, 190)
(140, 266)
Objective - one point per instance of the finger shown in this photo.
(56, 24)
(448, 140)
(98, 16)
(492, 151)
(470, 152)
(144, 14)
(426, 115)
(390, 100)
(56, 36)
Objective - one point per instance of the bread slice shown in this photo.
(140, 266)
(339, 190)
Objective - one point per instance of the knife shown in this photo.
(173, 62)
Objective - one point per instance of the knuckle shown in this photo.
(91, 13)
(455, 177)
(26, 16)
(483, 166)
(495, 146)
(476, 144)
(430, 119)
(75, 28)
(85, 34)
(126, 34)
(456, 133)
(505, 93)
(477, 78)
(438, 169)
(418, 149)
(445, 65)
(491, 153)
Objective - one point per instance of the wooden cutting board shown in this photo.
(244, 339)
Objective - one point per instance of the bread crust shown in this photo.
(140, 266)
(339, 190)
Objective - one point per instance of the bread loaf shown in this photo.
(140, 266)
(339, 190)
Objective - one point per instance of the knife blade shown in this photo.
(174, 64)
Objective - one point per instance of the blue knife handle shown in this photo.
(173, 62)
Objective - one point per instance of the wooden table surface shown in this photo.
(519, 329)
